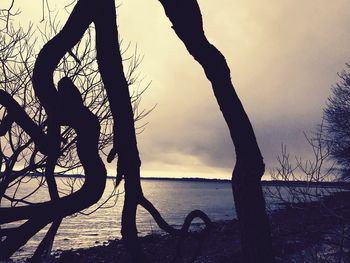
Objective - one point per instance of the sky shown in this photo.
(284, 57)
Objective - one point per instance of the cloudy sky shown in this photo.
(284, 57)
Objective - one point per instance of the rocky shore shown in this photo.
(306, 232)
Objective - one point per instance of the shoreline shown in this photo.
(297, 183)
(298, 234)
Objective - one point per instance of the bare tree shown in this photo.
(6, 13)
(21, 159)
(187, 23)
(87, 129)
(337, 116)
(313, 172)
(310, 187)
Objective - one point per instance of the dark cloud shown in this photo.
(284, 56)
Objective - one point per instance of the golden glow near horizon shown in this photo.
(284, 56)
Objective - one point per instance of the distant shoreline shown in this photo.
(345, 185)
(340, 184)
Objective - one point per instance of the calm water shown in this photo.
(174, 199)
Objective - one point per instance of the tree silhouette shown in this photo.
(337, 116)
(187, 22)
(20, 156)
(87, 128)
(77, 116)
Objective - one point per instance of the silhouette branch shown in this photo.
(186, 19)
(75, 115)
(87, 127)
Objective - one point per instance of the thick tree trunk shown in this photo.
(110, 65)
(187, 22)
(87, 128)
(125, 145)
(111, 68)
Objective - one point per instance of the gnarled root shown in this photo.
(184, 231)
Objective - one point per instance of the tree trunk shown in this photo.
(87, 128)
(111, 68)
(187, 23)
(125, 145)
(103, 15)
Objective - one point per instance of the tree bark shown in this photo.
(187, 23)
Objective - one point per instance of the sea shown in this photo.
(173, 198)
